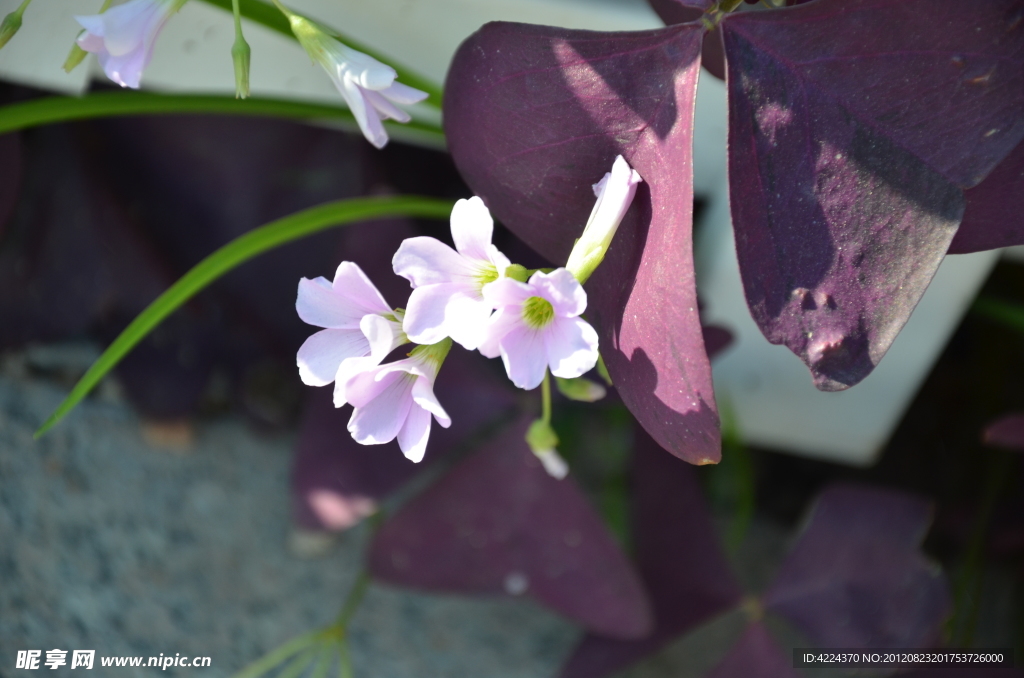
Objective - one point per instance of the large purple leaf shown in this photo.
(852, 124)
(534, 116)
(856, 579)
(755, 655)
(497, 523)
(994, 216)
(679, 557)
(336, 482)
(712, 54)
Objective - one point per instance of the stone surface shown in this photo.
(110, 545)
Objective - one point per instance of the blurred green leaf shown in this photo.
(110, 104)
(239, 250)
(1006, 312)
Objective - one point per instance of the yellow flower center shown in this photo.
(537, 312)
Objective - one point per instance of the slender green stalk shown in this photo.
(355, 597)
(266, 14)
(545, 397)
(239, 250)
(298, 665)
(323, 663)
(280, 654)
(344, 660)
(1006, 312)
(111, 104)
(240, 55)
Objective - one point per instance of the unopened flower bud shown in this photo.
(580, 389)
(240, 53)
(10, 25)
(614, 195)
(543, 442)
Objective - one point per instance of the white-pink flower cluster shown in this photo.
(472, 295)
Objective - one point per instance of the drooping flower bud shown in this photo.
(544, 442)
(614, 195)
(368, 86)
(240, 54)
(123, 37)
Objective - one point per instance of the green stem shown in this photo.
(545, 397)
(239, 250)
(970, 577)
(49, 110)
(280, 654)
(355, 597)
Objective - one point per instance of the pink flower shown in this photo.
(537, 326)
(448, 298)
(397, 400)
(368, 86)
(360, 328)
(615, 194)
(122, 38)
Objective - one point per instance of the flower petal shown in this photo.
(423, 396)
(385, 107)
(562, 289)
(354, 285)
(403, 94)
(507, 292)
(318, 304)
(428, 261)
(525, 357)
(571, 347)
(321, 355)
(503, 321)
(425, 316)
(382, 335)
(472, 228)
(365, 115)
(465, 320)
(412, 438)
(379, 420)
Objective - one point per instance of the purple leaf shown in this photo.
(755, 655)
(942, 79)
(497, 523)
(716, 339)
(1008, 431)
(336, 482)
(851, 125)
(994, 216)
(534, 116)
(680, 560)
(856, 579)
(712, 55)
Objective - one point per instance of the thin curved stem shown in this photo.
(545, 397)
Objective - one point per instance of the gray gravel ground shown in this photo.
(109, 544)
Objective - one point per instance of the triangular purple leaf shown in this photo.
(1007, 431)
(855, 578)
(994, 216)
(842, 174)
(755, 655)
(336, 481)
(534, 116)
(679, 557)
(497, 523)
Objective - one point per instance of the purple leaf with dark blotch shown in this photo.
(941, 79)
(856, 578)
(838, 229)
(994, 216)
(680, 560)
(336, 481)
(497, 523)
(755, 655)
(1007, 431)
(534, 116)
